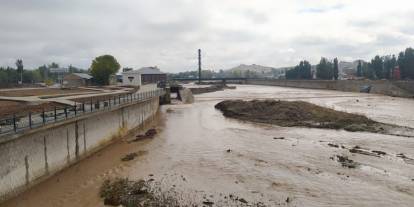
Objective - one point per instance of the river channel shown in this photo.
(200, 153)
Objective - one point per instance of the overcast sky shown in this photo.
(167, 33)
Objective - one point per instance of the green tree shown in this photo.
(406, 63)
(292, 73)
(44, 72)
(389, 64)
(305, 70)
(324, 70)
(19, 65)
(301, 71)
(377, 65)
(53, 65)
(359, 69)
(336, 69)
(368, 71)
(102, 67)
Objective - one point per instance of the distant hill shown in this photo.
(253, 67)
(255, 71)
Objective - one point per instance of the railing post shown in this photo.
(75, 109)
(66, 112)
(83, 107)
(44, 116)
(30, 119)
(14, 123)
(55, 114)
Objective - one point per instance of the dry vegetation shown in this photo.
(42, 92)
(142, 193)
(296, 113)
(8, 108)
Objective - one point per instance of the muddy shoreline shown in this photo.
(204, 156)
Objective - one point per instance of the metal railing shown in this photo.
(18, 122)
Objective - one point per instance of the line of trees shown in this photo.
(381, 67)
(101, 69)
(13, 76)
(327, 70)
(301, 71)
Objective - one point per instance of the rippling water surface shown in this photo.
(200, 152)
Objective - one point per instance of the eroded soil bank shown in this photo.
(304, 114)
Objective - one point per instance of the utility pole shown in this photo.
(199, 66)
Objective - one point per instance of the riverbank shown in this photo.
(390, 88)
(201, 153)
(210, 88)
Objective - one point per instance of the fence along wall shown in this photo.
(36, 155)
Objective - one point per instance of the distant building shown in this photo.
(60, 73)
(74, 80)
(126, 69)
(145, 75)
(152, 75)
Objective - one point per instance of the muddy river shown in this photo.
(200, 154)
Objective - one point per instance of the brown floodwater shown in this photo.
(190, 154)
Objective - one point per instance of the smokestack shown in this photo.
(199, 65)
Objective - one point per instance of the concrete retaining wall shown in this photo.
(391, 88)
(28, 158)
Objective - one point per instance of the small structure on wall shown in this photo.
(74, 80)
(142, 76)
(131, 78)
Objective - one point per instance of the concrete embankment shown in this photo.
(212, 88)
(35, 155)
(385, 87)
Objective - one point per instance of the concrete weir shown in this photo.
(35, 155)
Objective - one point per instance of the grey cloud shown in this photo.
(256, 17)
(322, 9)
(168, 33)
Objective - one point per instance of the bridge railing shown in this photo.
(17, 123)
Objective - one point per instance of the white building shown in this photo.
(131, 77)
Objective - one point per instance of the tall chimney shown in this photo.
(199, 65)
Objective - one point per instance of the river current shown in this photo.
(199, 152)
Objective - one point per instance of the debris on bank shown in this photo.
(149, 193)
(148, 135)
(122, 191)
(133, 155)
(304, 114)
(346, 162)
(129, 156)
(361, 151)
(406, 159)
